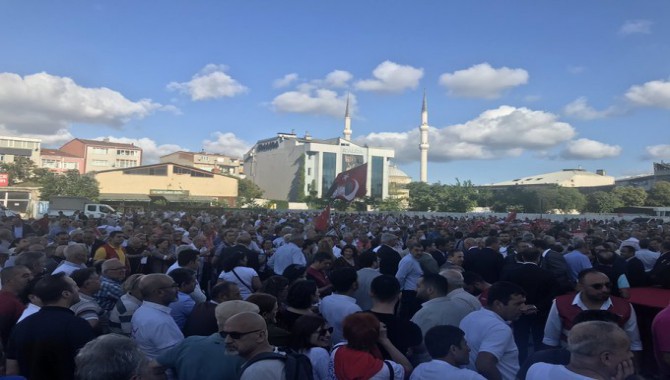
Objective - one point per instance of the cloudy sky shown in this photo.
(514, 88)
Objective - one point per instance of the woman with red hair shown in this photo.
(360, 358)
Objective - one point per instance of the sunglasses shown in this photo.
(236, 335)
(600, 286)
(323, 332)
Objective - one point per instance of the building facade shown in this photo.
(58, 161)
(211, 162)
(104, 155)
(577, 178)
(12, 147)
(647, 181)
(167, 182)
(287, 167)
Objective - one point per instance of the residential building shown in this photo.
(58, 161)
(104, 155)
(12, 147)
(167, 183)
(288, 167)
(211, 162)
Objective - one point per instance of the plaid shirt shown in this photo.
(110, 292)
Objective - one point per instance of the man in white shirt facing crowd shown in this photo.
(449, 351)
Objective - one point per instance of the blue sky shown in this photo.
(514, 88)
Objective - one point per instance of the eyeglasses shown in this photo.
(235, 334)
(600, 286)
(323, 332)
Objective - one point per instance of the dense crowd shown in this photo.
(249, 296)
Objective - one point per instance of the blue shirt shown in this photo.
(409, 271)
(181, 309)
(577, 262)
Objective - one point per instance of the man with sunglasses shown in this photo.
(594, 294)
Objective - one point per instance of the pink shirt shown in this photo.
(659, 331)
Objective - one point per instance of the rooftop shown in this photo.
(550, 178)
(109, 144)
(56, 152)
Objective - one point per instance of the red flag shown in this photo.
(321, 221)
(510, 217)
(349, 184)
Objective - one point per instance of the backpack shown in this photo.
(296, 366)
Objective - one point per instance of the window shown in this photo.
(309, 171)
(70, 165)
(126, 163)
(126, 152)
(90, 208)
(377, 177)
(52, 164)
(156, 170)
(192, 173)
(328, 171)
(99, 150)
(99, 163)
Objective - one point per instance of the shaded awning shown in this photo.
(177, 198)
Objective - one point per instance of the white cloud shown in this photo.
(659, 151)
(502, 132)
(338, 78)
(211, 82)
(590, 149)
(285, 80)
(151, 151)
(651, 94)
(581, 109)
(44, 104)
(310, 100)
(635, 27)
(226, 143)
(391, 77)
(483, 81)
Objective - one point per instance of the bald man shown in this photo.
(598, 350)
(153, 328)
(247, 334)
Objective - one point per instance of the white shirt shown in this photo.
(440, 370)
(334, 309)
(68, 267)
(546, 371)
(554, 327)
(246, 275)
(648, 258)
(154, 329)
(29, 310)
(486, 331)
(286, 255)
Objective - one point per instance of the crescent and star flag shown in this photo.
(321, 221)
(349, 184)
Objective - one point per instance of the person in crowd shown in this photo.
(277, 286)
(14, 281)
(578, 260)
(114, 357)
(113, 249)
(190, 259)
(646, 255)
(635, 273)
(302, 295)
(235, 270)
(486, 262)
(494, 353)
(405, 335)
(161, 256)
(317, 272)
(76, 258)
(660, 273)
(113, 274)
(369, 264)
(598, 350)
(33, 260)
(87, 308)
(122, 313)
(288, 254)
(435, 310)
(181, 308)
(246, 335)
(153, 328)
(348, 258)
(440, 250)
(338, 305)
(43, 346)
(661, 340)
(608, 262)
(205, 357)
(202, 320)
(360, 358)
(475, 285)
(554, 262)
(594, 294)
(463, 302)
(268, 306)
(295, 272)
(454, 260)
(449, 352)
(389, 258)
(409, 272)
(311, 337)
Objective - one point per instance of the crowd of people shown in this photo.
(242, 295)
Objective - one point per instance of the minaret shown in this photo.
(347, 122)
(424, 140)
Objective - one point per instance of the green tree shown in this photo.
(631, 196)
(560, 198)
(659, 195)
(247, 191)
(461, 197)
(421, 196)
(21, 170)
(601, 201)
(71, 183)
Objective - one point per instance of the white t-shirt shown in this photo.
(439, 370)
(265, 369)
(321, 366)
(246, 275)
(486, 331)
(546, 371)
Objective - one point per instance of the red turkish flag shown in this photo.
(321, 221)
(349, 184)
(511, 216)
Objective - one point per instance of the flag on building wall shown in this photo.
(349, 184)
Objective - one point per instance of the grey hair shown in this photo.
(29, 259)
(110, 357)
(454, 278)
(594, 337)
(388, 237)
